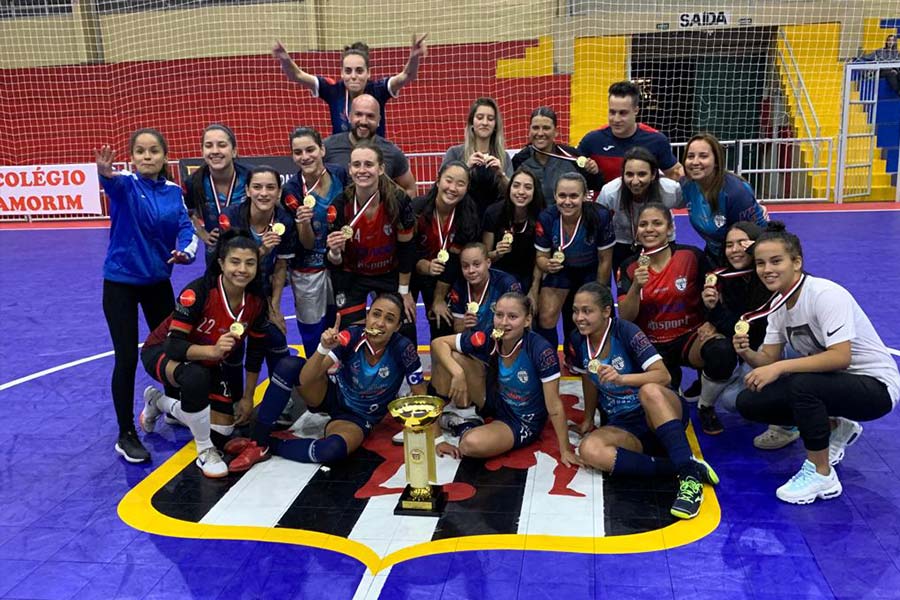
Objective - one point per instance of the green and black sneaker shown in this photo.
(689, 498)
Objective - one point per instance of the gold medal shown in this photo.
(472, 307)
(496, 333)
(742, 327)
(643, 260)
(581, 161)
(507, 238)
(559, 256)
(278, 228)
(710, 280)
(347, 231)
(237, 329)
(594, 366)
(443, 256)
(309, 201)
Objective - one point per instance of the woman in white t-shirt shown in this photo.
(844, 370)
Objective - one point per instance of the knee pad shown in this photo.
(194, 381)
(719, 359)
(287, 372)
(330, 449)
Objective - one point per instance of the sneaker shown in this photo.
(249, 456)
(151, 411)
(845, 434)
(173, 421)
(211, 463)
(688, 499)
(692, 394)
(235, 446)
(131, 448)
(703, 472)
(807, 485)
(709, 421)
(775, 437)
(456, 424)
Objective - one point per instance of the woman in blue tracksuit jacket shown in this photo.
(150, 230)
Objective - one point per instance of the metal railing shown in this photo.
(798, 87)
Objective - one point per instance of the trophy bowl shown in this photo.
(416, 412)
(418, 415)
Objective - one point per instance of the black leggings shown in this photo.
(120, 307)
(808, 399)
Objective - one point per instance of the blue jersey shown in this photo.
(630, 351)
(205, 203)
(518, 386)
(366, 390)
(498, 284)
(148, 220)
(334, 93)
(314, 260)
(736, 203)
(239, 215)
(582, 252)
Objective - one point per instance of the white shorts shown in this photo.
(312, 295)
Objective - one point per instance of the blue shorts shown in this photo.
(335, 408)
(570, 278)
(635, 422)
(524, 431)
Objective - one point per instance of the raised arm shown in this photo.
(409, 73)
(291, 70)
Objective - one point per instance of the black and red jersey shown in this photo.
(373, 248)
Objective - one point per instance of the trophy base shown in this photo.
(407, 506)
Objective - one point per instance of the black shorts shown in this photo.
(333, 407)
(351, 292)
(635, 423)
(524, 431)
(675, 355)
(223, 378)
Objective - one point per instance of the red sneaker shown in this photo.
(236, 445)
(251, 455)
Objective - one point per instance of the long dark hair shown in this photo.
(465, 221)
(654, 192)
(718, 177)
(235, 239)
(246, 205)
(387, 189)
(160, 138)
(200, 175)
(534, 208)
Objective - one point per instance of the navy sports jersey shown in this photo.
(207, 206)
(239, 215)
(202, 315)
(518, 386)
(367, 389)
(736, 201)
(584, 248)
(334, 93)
(608, 151)
(671, 303)
(373, 248)
(314, 260)
(498, 284)
(630, 351)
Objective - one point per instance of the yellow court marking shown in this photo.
(137, 510)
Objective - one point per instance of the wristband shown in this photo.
(334, 255)
(323, 350)
(439, 440)
(402, 289)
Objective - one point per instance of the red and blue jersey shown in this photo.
(366, 389)
(608, 151)
(314, 260)
(587, 243)
(498, 284)
(373, 248)
(630, 351)
(519, 386)
(671, 305)
(334, 93)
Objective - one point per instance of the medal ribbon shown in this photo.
(365, 341)
(724, 273)
(236, 318)
(645, 252)
(306, 190)
(487, 284)
(564, 156)
(361, 212)
(562, 234)
(444, 233)
(591, 354)
(773, 303)
(212, 185)
(497, 350)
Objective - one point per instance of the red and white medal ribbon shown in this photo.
(645, 252)
(212, 186)
(564, 156)
(774, 303)
(444, 233)
(725, 273)
(360, 212)
(591, 354)
(562, 234)
(307, 191)
(364, 341)
(235, 317)
(487, 284)
(497, 350)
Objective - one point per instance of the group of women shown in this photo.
(496, 262)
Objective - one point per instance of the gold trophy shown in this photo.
(418, 414)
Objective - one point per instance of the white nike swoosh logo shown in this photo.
(605, 148)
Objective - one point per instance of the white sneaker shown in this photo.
(845, 434)
(775, 437)
(211, 463)
(808, 485)
(151, 411)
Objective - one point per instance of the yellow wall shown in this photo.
(38, 42)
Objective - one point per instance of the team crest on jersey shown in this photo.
(522, 375)
(384, 372)
(681, 284)
(340, 299)
(618, 363)
(387, 229)
(340, 507)
(719, 220)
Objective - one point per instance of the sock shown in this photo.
(220, 434)
(311, 334)
(165, 403)
(461, 429)
(710, 391)
(635, 464)
(198, 423)
(326, 450)
(671, 434)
